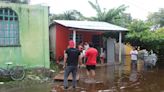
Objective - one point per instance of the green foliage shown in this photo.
(157, 18)
(138, 26)
(138, 29)
(147, 39)
(100, 13)
(160, 39)
(54, 66)
(114, 15)
(141, 35)
(17, 1)
(67, 15)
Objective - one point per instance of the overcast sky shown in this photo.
(137, 8)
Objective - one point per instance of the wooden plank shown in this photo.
(60, 76)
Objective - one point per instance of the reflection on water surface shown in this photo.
(118, 78)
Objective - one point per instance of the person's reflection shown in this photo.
(133, 74)
(135, 78)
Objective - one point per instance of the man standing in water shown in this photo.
(134, 55)
(91, 55)
(71, 58)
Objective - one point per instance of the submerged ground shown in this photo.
(109, 78)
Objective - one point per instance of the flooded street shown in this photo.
(118, 78)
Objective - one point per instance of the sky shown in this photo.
(138, 9)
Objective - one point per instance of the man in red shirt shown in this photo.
(91, 55)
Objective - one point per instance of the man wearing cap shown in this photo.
(71, 59)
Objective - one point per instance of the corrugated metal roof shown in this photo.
(90, 25)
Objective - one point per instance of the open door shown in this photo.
(97, 41)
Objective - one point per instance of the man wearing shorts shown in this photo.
(91, 55)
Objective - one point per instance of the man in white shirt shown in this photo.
(134, 57)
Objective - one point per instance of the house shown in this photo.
(24, 35)
(61, 31)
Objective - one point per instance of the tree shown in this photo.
(17, 1)
(114, 15)
(73, 15)
(138, 26)
(159, 34)
(157, 18)
(137, 29)
(141, 36)
(100, 13)
(68, 15)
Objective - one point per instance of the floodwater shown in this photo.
(116, 78)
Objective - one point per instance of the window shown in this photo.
(9, 29)
(78, 37)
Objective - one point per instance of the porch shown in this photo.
(61, 31)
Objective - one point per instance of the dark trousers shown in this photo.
(68, 70)
(134, 64)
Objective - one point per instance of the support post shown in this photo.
(120, 46)
(74, 37)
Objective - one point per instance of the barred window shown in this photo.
(9, 28)
(78, 37)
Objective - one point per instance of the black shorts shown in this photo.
(91, 67)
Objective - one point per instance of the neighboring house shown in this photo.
(61, 31)
(24, 35)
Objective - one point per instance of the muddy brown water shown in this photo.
(118, 78)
